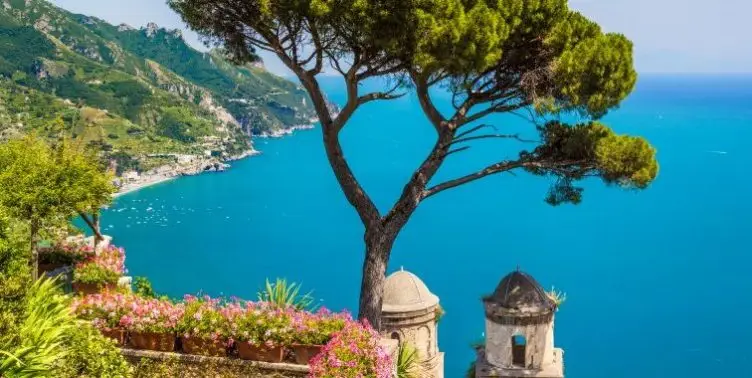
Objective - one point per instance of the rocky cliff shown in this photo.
(133, 92)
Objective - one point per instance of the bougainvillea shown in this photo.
(353, 352)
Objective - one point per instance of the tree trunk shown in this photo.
(97, 229)
(34, 233)
(93, 225)
(378, 249)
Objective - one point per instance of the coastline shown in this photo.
(130, 188)
(168, 172)
(284, 132)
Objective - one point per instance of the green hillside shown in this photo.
(132, 92)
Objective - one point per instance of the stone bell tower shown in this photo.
(519, 332)
(408, 314)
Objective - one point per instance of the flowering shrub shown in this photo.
(111, 258)
(104, 310)
(352, 352)
(114, 310)
(152, 315)
(256, 323)
(202, 318)
(259, 323)
(66, 253)
(103, 268)
(318, 328)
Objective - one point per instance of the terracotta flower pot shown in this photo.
(116, 334)
(304, 353)
(92, 288)
(262, 353)
(160, 342)
(204, 347)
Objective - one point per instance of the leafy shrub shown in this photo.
(353, 352)
(104, 268)
(53, 343)
(142, 287)
(152, 315)
(90, 273)
(15, 278)
(257, 324)
(105, 310)
(91, 355)
(43, 332)
(317, 329)
(203, 319)
(66, 253)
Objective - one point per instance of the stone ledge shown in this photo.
(484, 369)
(283, 369)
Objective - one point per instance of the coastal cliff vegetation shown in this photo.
(134, 94)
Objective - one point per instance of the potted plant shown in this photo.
(105, 312)
(260, 332)
(312, 331)
(91, 278)
(152, 324)
(203, 328)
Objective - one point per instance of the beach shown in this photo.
(199, 165)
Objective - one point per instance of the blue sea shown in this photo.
(658, 281)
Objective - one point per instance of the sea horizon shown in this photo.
(632, 263)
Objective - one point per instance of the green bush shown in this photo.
(91, 355)
(142, 287)
(15, 278)
(95, 274)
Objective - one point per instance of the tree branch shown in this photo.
(433, 114)
(489, 136)
(499, 167)
(490, 110)
(91, 225)
(474, 129)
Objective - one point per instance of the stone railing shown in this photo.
(150, 363)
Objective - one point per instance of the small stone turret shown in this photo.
(519, 331)
(408, 314)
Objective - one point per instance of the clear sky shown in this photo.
(669, 35)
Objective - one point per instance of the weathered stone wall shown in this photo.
(162, 365)
(539, 343)
(418, 329)
(149, 364)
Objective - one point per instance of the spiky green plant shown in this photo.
(470, 373)
(407, 361)
(283, 295)
(557, 296)
(43, 333)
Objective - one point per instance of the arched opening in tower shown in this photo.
(519, 344)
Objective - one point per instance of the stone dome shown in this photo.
(405, 292)
(520, 292)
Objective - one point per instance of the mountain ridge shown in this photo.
(134, 92)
